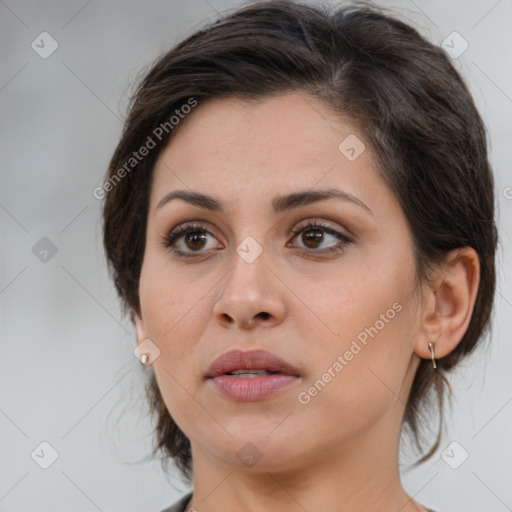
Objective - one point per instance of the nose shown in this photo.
(251, 296)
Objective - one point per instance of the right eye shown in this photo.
(188, 239)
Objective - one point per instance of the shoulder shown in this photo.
(180, 505)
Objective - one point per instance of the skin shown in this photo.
(340, 450)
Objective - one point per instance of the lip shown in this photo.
(255, 388)
(250, 360)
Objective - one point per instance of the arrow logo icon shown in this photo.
(44, 45)
(44, 250)
(454, 45)
(249, 249)
(249, 454)
(351, 147)
(454, 455)
(44, 455)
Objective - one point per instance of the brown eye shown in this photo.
(312, 237)
(314, 234)
(188, 240)
(195, 240)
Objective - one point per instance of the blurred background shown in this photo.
(74, 427)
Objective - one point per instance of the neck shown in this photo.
(360, 476)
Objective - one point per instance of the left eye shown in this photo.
(313, 235)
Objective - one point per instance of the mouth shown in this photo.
(250, 364)
(251, 376)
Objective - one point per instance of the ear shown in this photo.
(146, 351)
(140, 329)
(448, 304)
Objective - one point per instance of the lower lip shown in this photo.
(252, 389)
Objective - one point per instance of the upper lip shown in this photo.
(250, 360)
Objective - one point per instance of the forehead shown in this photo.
(256, 149)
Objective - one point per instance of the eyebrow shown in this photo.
(279, 204)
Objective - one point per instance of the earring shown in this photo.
(144, 359)
(432, 346)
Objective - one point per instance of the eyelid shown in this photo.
(185, 227)
(321, 222)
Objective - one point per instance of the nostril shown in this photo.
(263, 315)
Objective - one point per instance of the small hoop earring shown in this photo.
(144, 358)
(432, 347)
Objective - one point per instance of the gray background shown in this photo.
(68, 375)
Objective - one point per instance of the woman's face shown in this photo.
(336, 301)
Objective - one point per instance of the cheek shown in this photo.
(358, 382)
(168, 297)
(364, 347)
(174, 312)
(176, 305)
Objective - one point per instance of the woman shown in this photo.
(299, 220)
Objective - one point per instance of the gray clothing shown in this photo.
(181, 505)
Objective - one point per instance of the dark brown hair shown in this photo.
(409, 103)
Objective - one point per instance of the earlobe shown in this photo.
(449, 304)
(145, 349)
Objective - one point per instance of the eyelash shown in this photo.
(180, 231)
